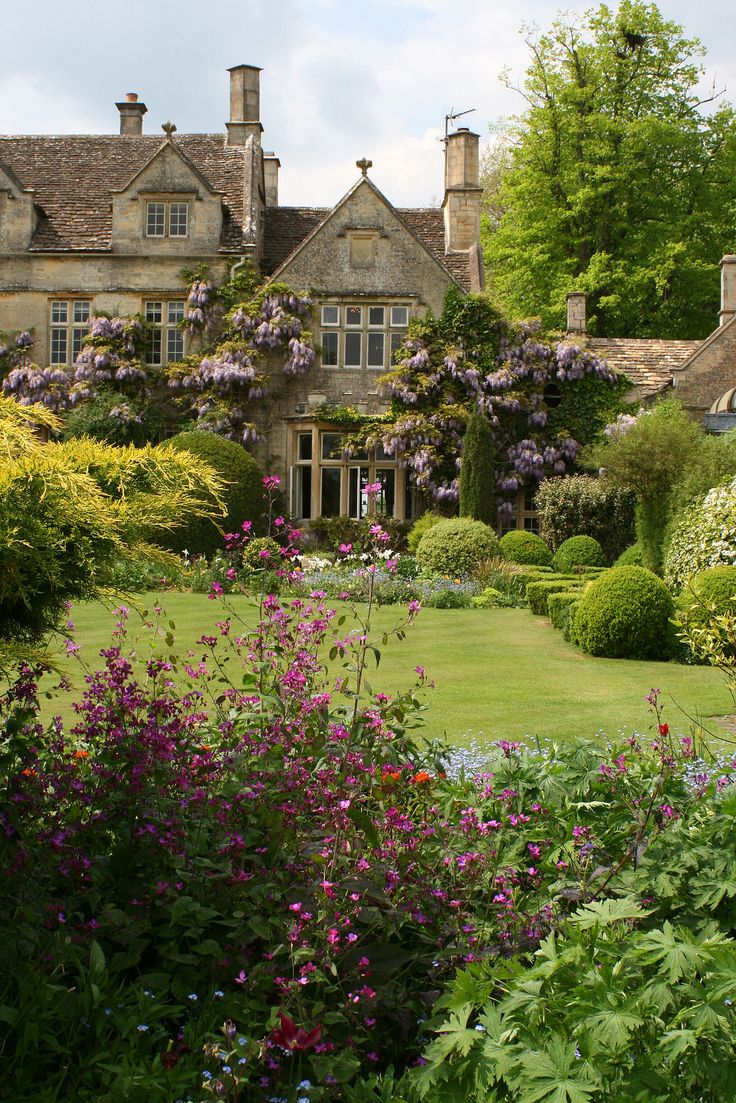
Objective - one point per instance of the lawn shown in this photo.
(499, 673)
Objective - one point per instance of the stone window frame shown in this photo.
(166, 338)
(68, 328)
(525, 515)
(167, 213)
(366, 353)
(307, 481)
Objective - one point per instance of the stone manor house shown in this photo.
(106, 223)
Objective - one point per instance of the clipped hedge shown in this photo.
(520, 546)
(575, 504)
(537, 593)
(243, 497)
(624, 614)
(578, 551)
(421, 526)
(456, 547)
(559, 608)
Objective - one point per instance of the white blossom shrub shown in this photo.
(704, 536)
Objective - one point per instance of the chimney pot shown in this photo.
(271, 165)
(728, 289)
(131, 97)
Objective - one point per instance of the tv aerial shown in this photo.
(451, 119)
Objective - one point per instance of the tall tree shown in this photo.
(477, 475)
(621, 180)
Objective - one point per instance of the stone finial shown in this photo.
(364, 164)
(168, 128)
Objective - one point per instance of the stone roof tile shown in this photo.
(648, 362)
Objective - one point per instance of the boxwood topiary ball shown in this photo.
(520, 546)
(624, 614)
(578, 551)
(456, 546)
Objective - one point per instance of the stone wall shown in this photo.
(709, 372)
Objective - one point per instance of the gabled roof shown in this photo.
(648, 362)
(169, 143)
(73, 177)
(288, 228)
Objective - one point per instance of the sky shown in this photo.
(342, 79)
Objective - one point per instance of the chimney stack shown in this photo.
(728, 289)
(576, 306)
(245, 104)
(131, 114)
(461, 204)
(271, 166)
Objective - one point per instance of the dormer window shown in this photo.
(167, 219)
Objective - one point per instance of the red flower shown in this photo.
(421, 777)
(295, 1038)
(664, 729)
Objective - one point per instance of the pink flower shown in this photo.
(373, 488)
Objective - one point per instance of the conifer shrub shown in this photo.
(242, 497)
(559, 607)
(578, 551)
(520, 546)
(624, 614)
(456, 546)
(477, 475)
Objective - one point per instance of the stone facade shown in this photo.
(106, 223)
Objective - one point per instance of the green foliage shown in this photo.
(242, 496)
(649, 457)
(703, 536)
(539, 591)
(448, 599)
(582, 505)
(456, 546)
(578, 551)
(261, 553)
(624, 614)
(491, 598)
(330, 532)
(630, 557)
(559, 608)
(710, 596)
(612, 180)
(477, 474)
(114, 419)
(520, 546)
(421, 525)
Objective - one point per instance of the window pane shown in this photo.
(331, 478)
(353, 343)
(178, 219)
(81, 312)
(387, 496)
(329, 350)
(304, 446)
(303, 491)
(58, 346)
(376, 343)
(153, 312)
(399, 315)
(156, 220)
(396, 343)
(353, 315)
(330, 315)
(59, 312)
(78, 338)
(332, 446)
(174, 345)
(176, 311)
(153, 347)
(376, 315)
(358, 499)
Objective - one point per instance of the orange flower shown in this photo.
(421, 777)
(390, 776)
(29, 773)
(81, 754)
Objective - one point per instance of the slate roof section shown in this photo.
(648, 362)
(73, 177)
(287, 227)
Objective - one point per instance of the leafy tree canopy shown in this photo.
(619, 179)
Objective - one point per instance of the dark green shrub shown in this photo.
(559, 607)
(243, 496)
(520, 546)
(477, 474)
(421, 525)
(330, 532)
(407, 567)
(578, 551)
(580, 504)
(630, 557)
(624, 614)
(114, 419)
(456, 546)
(538, 592)
(448, 599)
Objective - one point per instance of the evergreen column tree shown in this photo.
(477, 475)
